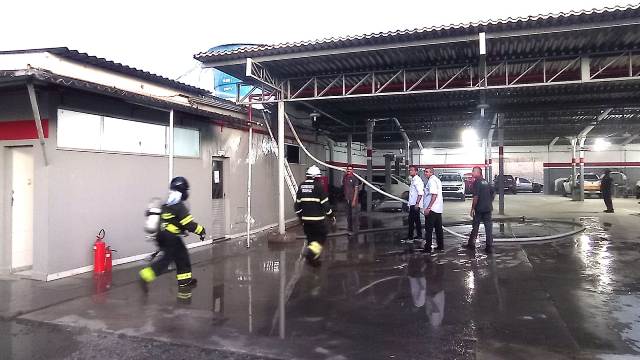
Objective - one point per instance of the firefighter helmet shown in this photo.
(313, 171)
(181, 185)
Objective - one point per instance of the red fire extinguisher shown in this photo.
(99, 253)
(108, 259)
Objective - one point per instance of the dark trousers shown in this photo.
(606, 196)
(315, 231)
(431, 222)
(485, 218)
(414, 222)
(173, 250)
(351, 213)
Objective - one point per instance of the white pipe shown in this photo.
(171, 145)
(281, 116)
(250, 160)
(364, 181)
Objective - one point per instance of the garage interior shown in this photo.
(544, 98)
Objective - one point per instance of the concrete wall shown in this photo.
(15, 105)
(81, 192)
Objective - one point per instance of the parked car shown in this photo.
(524, 185)
(452, 185)
(591, 184)
(398, 184)
(509, 184)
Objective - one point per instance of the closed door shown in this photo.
(21, 208)
(218, 199)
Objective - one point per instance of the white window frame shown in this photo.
(102, 116)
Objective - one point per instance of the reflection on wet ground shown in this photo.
(374, 298)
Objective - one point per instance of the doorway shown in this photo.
(218, 195)
(21, 187)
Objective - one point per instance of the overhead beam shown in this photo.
(588, 129)
(554, 141)
(630, 139)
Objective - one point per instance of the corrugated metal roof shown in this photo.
(529, 22)
(55, 79)
(114, 66)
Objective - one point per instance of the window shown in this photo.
(450, 177)
(78, 130)
(524, 181)
(292, 154)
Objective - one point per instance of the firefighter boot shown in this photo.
(312, 253)
(147, 275)
(184, 295)
(185, 281)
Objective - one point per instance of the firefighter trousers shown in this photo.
(173, 250)
(315, 231)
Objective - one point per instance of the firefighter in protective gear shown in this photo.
(312, 207)
(175, 221)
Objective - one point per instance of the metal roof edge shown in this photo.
(293, 47)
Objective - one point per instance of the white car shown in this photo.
(452, 185)
(591, 184)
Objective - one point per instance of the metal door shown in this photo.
(21, 208)
(218, 226)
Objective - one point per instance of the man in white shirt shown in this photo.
(416, 191)
(433, 208)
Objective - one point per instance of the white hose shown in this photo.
(461, 236)
(295, 134)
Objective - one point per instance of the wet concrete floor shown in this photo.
(372, 298)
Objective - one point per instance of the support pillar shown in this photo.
(574, 170)
(485, 146)
(388, 158)
(396, 169)
(500, 168)
(370, 124)
(281, 160)
(350, 149)
(331, 145)
(171, 147)
(581, 159)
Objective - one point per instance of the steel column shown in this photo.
(281, 160)
(350, 149)
(582, 169)
(500, 168)
(370, 124)
(171, 147)
(387, 170)
(574, 170)
(249, 162)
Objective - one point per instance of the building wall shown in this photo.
(537, 163)
(81, 192)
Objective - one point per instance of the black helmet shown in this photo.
(180, 184)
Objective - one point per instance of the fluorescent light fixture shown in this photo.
(469, 137)
(601, 144)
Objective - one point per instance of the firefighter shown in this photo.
(175, 221)
(312, 207)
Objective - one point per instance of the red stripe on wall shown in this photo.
(594, 164)
(437, 166)
(22, 129)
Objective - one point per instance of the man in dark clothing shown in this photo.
(481, 209)
(350, 185)
(312, 207)
(175, 221)
(606, 187)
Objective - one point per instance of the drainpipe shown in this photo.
(38, 120)
(171, 148)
